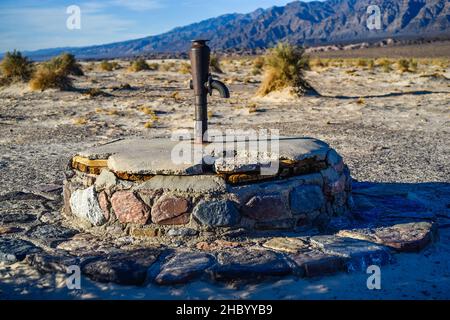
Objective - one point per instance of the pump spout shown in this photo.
(221, 87)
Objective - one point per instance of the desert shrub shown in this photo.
(371, 64)
(15, 67)
(361, 63)
(106, 66)
(169, 66)
(214, 64)
(46, 77)
(139, 65)
(185, 68)
(413, 65)
(55, 73)
(153, 66)
(284, 66)
(385, 64)
(66, 64)
(403, 65)
(258, 65)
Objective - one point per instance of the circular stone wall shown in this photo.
(133, 187)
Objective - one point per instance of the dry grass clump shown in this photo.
(106, 66)
(15, 68)
(318, 63)
(80, 121)
(258, 65)
(55, 73)
(405, 65)
(284, 66)
(385, 64)
(214, 64)
(139, 65)
(168, 66)
(185, 68)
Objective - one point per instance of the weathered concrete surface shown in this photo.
(196, 184)
(161, 156)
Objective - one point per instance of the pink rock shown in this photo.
(104, 204)
(128, 208)
(169, 207)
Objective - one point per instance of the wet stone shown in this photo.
(51, 234)
(248, 264)
(408, 237)
(217, 213)
(183, 267)
(14, 250)
(316, 263)
(125, 268)
(361, 254)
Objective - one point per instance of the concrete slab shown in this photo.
(167, 157)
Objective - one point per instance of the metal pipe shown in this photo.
(203, 83)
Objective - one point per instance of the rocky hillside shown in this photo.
(310, 23)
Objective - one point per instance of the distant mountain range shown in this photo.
(308, 23)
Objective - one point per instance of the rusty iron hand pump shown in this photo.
(203, 84)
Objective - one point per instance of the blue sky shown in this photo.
(31, 25)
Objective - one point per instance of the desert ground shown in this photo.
(391, 127)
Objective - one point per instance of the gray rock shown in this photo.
(183, 267)
(361, 254)
(266, 207)
(217, 213)
(305, 199)
(51, 234)
(106, 180)
(249, 264)
(14, 250)
(50, 263)
(182, 232)
(316, 263)
(9, 218)
(333, 158)
(84, 204)
(408, 237)
(125, 267)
